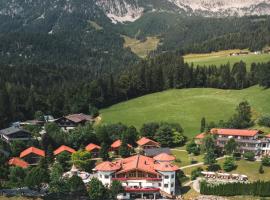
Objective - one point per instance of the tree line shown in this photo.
(57, 90)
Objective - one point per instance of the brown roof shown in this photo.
(235, 132)
(144, 141)
(77, 118)
(33, 150)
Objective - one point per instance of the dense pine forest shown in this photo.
(59, 90)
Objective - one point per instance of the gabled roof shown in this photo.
(116, 144)
(164, 157)
(77, 118)
(11, 130)
(91, 147)
(145, 140)
(165, 167)
(33, 150)
(62, 149)
(200, 136)
(235, 132)
(18, 162)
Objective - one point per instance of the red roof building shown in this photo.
(235, 132)
(116, 144)
(64, 148)
(32, 155)
(146, 143)
(90, 147)
(200, 136)
(18, 162)
(139, 173)
(32, 150)
(163, 157)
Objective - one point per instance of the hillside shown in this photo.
(223, 57)
(187, 107)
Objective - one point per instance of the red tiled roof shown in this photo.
(144, 141)
(117, 144)
(33, 150)
(164, 157)
(108, 166)
(268, 135)
(18, 162)
(235, 132)
(79, 117)
(165, 167)
(200, 136)
(62, 149)
(91, 147)
(137, 162)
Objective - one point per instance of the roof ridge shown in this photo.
(137, 161)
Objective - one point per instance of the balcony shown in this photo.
(138, 189)
(138, 178)
(239, 140)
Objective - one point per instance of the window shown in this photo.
(172, 184)
(165, 185)
(100, 175)
(106, 176)
(172, 176)
(166, 177)
(159, 184)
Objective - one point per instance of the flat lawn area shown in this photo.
(251, 169)
(223, 57)
(185, 158)
(141, 48)
(187, 107)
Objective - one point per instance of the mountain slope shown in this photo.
(187, 107)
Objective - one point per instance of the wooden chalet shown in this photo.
(71, 121)
(18, 162)
(62, 149)
(146, 143)
(116, 145)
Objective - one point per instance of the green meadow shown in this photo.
(187, 107)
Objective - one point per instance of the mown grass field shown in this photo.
(141, 48)
(184, 159)
(223, 57)
(187, 107)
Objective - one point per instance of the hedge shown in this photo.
(258, 188)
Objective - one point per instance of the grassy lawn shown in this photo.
(185, 158)
(223, 57)
(141, 48)
(187, 107)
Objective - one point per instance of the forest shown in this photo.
(60, 90)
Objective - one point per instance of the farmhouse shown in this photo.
(93, 149)
(141, 176)
(145, 143)
(13, 133)
(70, 122)
(247, 140)
(32, 155)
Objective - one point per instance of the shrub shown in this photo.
(214, 167)
(237, 156)
(266, 161)
(196, 173)
(264, 120)
(229, 164)
(249, 156)
(261, 170)
(192, 148)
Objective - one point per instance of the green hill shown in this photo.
(187, 107)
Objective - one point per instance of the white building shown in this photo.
(141, 176)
